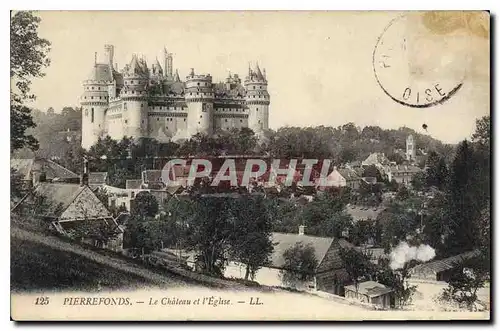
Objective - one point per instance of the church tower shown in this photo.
(411, 152)
(199, 97)
(257, 100)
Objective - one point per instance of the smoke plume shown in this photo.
(404, 253)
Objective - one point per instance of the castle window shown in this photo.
(92, 98)
(241, 121)
(254, 87)
(201, 116)
(157, 119)
(198, 122)
(226, 119)
(184, 120)
(126, 121)
(92, 116)
(142, 122)
(257, 109)
(92, 87)
(99, 88)
(198, 84)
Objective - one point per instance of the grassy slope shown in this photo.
(40, 262)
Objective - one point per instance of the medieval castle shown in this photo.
(154, 102)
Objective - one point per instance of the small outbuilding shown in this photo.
(371, 292)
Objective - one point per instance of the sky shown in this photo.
(319, 64)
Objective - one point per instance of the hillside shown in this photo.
(40, 262)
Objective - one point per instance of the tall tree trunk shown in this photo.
(247, 272)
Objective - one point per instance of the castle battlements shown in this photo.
(141, 101)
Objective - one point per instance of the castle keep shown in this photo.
(155, 103)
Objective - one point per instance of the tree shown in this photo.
(251, 240)
(396, 157)
(28, 56)
(397, 280)
(483, 131)
(437, 172)
(403, 193)
(211, 224)
(101, 234)
(418, 181)
(143, 233)
(347, 155)
(356, 263)
(466, 199)
(16, 185)
(145, 204)
(300, 262)
(464, 283)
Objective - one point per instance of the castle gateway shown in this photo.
(155, 103)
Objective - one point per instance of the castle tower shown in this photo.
(199, 95)
(134, 97)
(257, 100)
(94, 103)
(411, 151)
(168, 63)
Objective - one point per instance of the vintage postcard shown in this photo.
(250, 165)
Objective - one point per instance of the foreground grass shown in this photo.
(40, 262)
(37, 267)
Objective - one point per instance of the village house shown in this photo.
(329, 275)
(334, 179)
(402, 174)
(371, 292)
(97, 179)
(352, 179)
(377, 159)
(440, 270)
(31, 170)
(68, 208)
(362, 213)
(121, 197)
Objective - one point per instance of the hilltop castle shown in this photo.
(154, 102)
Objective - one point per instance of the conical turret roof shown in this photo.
(258, 72)
(100, 72)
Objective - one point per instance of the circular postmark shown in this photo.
(417, 67)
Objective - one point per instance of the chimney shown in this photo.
(85, 175)
(301, 230)
(109, 50)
